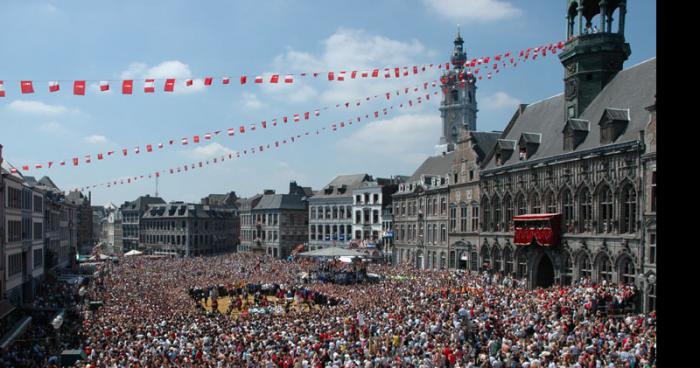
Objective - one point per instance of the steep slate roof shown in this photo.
(184, 210)
(351, 183)
(46, 181)
(434, 165)
(633, 88)
(484, 142)
(142, 202)
(280, 201)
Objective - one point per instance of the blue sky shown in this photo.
(64, 40)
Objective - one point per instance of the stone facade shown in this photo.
(331, 212)
(248, 230)
(372, 211)
(132, 212)
(587, 155)
(420, 215)
(187, 229)
(85, 218)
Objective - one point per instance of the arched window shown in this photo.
(435, 207)
(628, 221)
(508, 210)
(626, 271)
(522, 265)
(486, 224)
(496, 255)
(497, 220)
(485, 257)
(508, 261)
(584, 267)
(566, 271)
(535, 204)
(585, 209)
(520, 204)
(443, 206)
(567, 209)
(550, 203)
(605, 211)
(604, 269)
(443, 260)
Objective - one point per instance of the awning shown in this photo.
(536, 216)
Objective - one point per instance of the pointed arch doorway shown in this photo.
(545, 272)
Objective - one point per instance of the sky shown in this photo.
(88, 40)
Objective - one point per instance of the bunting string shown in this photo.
(200, 138)
(260, 148)
(149, 84)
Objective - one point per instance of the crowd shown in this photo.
(414, 318)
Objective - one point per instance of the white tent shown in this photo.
(333, 252)
(133, 252)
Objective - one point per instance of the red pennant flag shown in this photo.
(397, 72)
(104, 86)
(184, 141)
(50, 163)
(38, 166)
(365, 74)
(306, 115)
(353, 74)
(296, 118)
(25, 167)
(53, 86)
(388, 95)
(226, 80)
(244, 79)
(169, 85)
(330, 76)
(195, 139)
(2, 89)
(258, 79)
(125, 151)
(137, 150)
(274, 122)
(79, 88)
(275, 78)
(410, 102)
(189, 82)
(387, 73)
(75, 161)
(375, 73)
(149, 86)
(26, 87)
(208, 81)
(415, 69)
(252, 126)
(376, 114)
(230, 131)
(316, 112)
(288, 78)
(207, 136)
(284, 119)
(242, 129)
(149, 148)
(160, 145)
(100, 156)
(127, 86)
(264, 124)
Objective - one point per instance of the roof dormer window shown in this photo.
(575, 132)
(613, 124)
(528, 144)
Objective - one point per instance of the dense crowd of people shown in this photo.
(413, 318)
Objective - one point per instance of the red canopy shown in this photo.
(536, 216)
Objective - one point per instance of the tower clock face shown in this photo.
(571, 89)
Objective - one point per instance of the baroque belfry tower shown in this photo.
(458, 107)
(592, 56)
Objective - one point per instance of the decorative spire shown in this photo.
(459, 57)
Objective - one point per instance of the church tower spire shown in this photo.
(458, 106)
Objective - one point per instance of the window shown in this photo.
(443, 206)
(584, 267)
(521, 205)
(14, 264)
(606, 210)
(335, 212)
(566, 271)
(14, 198)
(653, 191)
(487, 218)
(456, 178)
(453, 218)
(497, 214)
(38, 204)
(585, 211)
(627, 275)
(605, 270)
(463, 219)
(523, 153)
(365, 216)
(443, 233)
(313, 212)
(508, 205)
(471, 174)
(629, 210)
(550, 203)
(496, 256)
(498, 159)
(38, 231)
(522, 265)
(567, 203)
(375, 216)
(375, 198)
(475, 218)
(535, 203)
(27, 228)
(358, 199)
(652, 248)
(508, 261)
(652, 297)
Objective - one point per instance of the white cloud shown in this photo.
(167, 69)
(473, 10)
(96, 139)
(210, 150)
(499, 100)
(51, 127)
(349, 49)
(405, 138)
(251, 101)
(36, 107)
